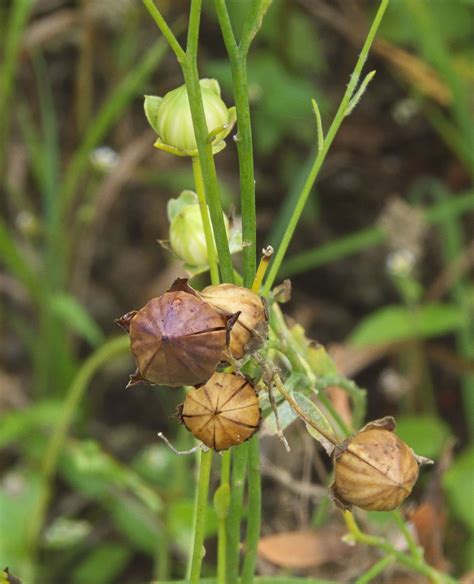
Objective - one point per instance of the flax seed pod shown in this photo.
(176, 339)
(251, 327)
(374, 469)
(223, 412)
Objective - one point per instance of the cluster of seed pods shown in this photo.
(181, 338)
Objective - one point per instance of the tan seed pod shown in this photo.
(222, 413)
(176, 339)
(374, 469)
(251, 327)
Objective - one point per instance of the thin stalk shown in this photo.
(74, 394)
(239, 466)
(238, 65)
(375, 570)
(200, 516)
(415, 550)
(416, 564)
(321, 155)
(246, 168)
(254, 512)
(165, 29)
(206, 222)
(225, 466)
(206, 158)
(222, 527)
(221, 550)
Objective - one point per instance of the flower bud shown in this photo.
(374, 469)
(222, 413)
(252, 323)
(187, 237)
(170, 117)
(176, 339)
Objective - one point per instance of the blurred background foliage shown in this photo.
(381, 268)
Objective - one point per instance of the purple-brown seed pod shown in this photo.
(176, 339)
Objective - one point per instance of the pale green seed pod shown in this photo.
(170, 117)
(187, 236)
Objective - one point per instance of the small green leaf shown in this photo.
(424, 433)
(458, 482)
(315, 419)
(398, 323)
(19, 493)
(102, 565)
(75, 316)
(19, 424)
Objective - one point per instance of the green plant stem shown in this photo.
(74, 394)
(200, 513)
(321, 155)
(415, 550)
(206, 222)
(165, 29)
(188, 63)
(254, 512)
(238, 64)
(375, 570)
(226, 460)
(225, 466)
(221, 551)
(206, 158)
(239, 467)
(415, 563)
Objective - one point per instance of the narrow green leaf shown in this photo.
(398, 323)
(318, 419)
(75, 316)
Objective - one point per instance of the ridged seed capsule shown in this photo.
(374, 469)
(222, 413)
(251, 328)
(176, 339)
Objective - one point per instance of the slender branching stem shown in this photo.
(165, 29)
(414, 562)
(321, 154)
(243, 138)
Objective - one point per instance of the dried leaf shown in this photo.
(302, 549)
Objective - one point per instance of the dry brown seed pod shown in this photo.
(374, 469)
(176, 339)
(251, 327)
(222, 413)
